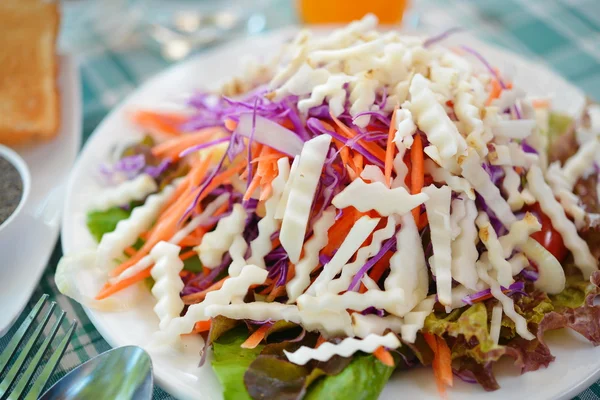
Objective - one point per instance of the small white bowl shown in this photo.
(23, 170)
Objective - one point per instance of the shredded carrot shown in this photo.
(423, 221)
(494, 93)
(384, 356)
(230, 124)
(252, 187)
(256, 337)
(340, 228)
(130, 251)
(540, 103)
(275, 293)
(417, 172)
(346, 160)
(389, 151)
(110, 289)
(167, 123)
(371, 147)
(442, 362)
(166, 227)
(187, 254)
(173, 147)
(359, 162)
(202, 326)
(320, 341)
(380, 266)
(198, 297)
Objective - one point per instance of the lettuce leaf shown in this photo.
(101, 222)
(230, 362)
(272, 376)
(471, 331)
(363, 379)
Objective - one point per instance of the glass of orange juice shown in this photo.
(343, 11)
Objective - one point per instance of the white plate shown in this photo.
(26, 255)
(577, 363)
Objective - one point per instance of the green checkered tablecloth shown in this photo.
(565, 34)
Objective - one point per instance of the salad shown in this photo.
(363, 203)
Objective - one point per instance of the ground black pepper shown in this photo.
(11, 189)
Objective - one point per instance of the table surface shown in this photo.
(565, 34)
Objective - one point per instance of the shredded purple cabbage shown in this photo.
(201, 146)
(485, 63)
(442, 36)
(373, 310)
(530, 274)
(387, 246)
(527, 148)
(515, 288)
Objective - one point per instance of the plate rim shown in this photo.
(280, 35)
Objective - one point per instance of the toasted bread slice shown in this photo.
(29, 100)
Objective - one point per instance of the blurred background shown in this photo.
(120, 43)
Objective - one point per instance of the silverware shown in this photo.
(121, 373)
(22, 387)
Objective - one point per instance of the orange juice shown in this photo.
(342, 11)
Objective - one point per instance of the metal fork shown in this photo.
(40, 382)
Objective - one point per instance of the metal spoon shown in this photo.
(121, 373)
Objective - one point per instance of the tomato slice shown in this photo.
(548, 236)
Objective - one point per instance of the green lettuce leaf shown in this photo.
(192, 264)
(558, 124)
(363, 379)
(230, 362)
(101, 222)
(272, 376)
(470, 328)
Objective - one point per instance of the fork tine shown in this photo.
(20, 334)
(14, 370)
(40, 382)
(35, 361)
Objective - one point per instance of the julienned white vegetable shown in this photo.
(233, 288)
(470, 118)
(362, 255)
(508, 304)
(408, 270)
(127, 231)
(464, 250)
(216, 243)
(443, 176)
(481, 182)
(432, 119)
(515, 129)
(495, 252)
(269, 133)
(302, 193)
(134, 190)
(358, 234)
(376, 196)
(415, 319)
(329, 323)
(261, 246)
(167, 282)
(372, 173)
(285, 196)
(438, 213)
(496, 323)
(405, 128)
(584, 259)
(79, 278)
(345, 348)
(400, 168)
(388, 300)
(365, 325)
(310, 261)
